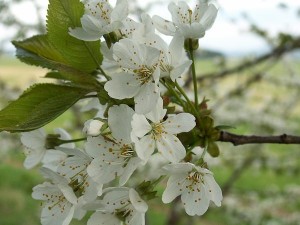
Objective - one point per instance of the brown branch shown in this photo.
(236, 139)
(275, 53)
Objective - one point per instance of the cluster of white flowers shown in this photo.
(136, 59)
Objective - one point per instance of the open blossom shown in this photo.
(99, 19)
(187, 22)
(120, 206)
(195, 184)
(140, 77)
(173, 61)
(36, 149)
(115, 156)
(60, 201)
(151, 131)
(74, 169)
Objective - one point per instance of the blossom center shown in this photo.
(60, 201)
(157, 130)
(144, 74)
(165, 67)
(79, 185)
(126, 151)
(194, 178)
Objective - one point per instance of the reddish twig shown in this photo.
(236, 139)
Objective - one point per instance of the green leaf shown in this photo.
(40, 52)
(38, 106)
(65, 14)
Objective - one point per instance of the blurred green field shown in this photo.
(18, 208)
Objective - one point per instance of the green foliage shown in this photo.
(68, 58)
(63, 14)
(39, 51)
(38, 106)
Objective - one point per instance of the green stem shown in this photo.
(73, 140)
(194, 74)
(201, 159)
(182, 103)
(158, 180)
(104, 74)
(195, 111)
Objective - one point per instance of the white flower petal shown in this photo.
(120, 12)
(174, 187)
(129, 169)
(180, 70)
(33, 158)
(34, 139)
(103, 172)
(178, 12)
(147, 98)
(195, 201)
(157, 113)
(145, 147)
(209, 17)
(164, 26)
(53, 158)
(171, 148)
(68, 193)
(56, 216)
(140, 125)
(102, 218)
(122, 85)
(129, 54)
(179, 168)
(176, 48)
(136, 218)
(94, 145)
(119, 121)
(179, 123)
(138, 203)
(81, 34)
(115, 198)
(213, 189)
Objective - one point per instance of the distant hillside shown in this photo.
(204, 53)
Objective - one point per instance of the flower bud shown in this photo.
(92, 127)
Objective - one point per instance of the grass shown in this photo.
(17, 74)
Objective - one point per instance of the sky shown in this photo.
(230, 33)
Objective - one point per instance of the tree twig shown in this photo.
(236, 139)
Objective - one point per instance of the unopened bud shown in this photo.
(92, 127)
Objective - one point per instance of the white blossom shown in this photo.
(140, 76)
(115, 156)
(99, 19)
(173, 59)
(36, 149)
(74, 169)
(59, 199)
(120, 206)
(187, 22)
(152, 131)
(195, 184)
